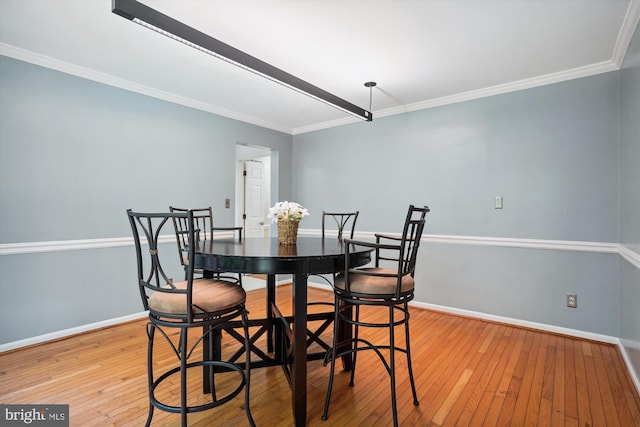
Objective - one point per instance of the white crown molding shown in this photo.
(330, 124)
(89, 74)
(575, 73)
(629, 24)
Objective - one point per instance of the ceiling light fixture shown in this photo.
(370, 85)
(163, 24)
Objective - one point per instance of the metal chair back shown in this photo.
(343, 220)
(153, 275)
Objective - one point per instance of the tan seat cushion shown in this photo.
(366, 284)
(209, 295)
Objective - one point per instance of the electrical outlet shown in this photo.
(227, 203)
(572, 300)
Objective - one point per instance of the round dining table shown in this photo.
(310, 255)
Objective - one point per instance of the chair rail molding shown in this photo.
(624, 251)
(73, 245)
(563, 245)
(630, 255)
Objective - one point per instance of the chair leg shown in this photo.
(247, 351)
(409, 366)
(213, 341)
(333, 351)
(392, 366)
(183, 376)
(354, 344)
(151, 330)
(148, 423)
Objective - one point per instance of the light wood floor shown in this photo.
(468, 373)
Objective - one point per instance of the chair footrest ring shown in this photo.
(197, 408)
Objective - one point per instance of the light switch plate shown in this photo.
(497, 202)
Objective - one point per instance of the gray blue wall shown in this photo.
(629, 223)
(74, 155)
(551, 152)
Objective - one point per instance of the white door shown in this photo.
(254, 215)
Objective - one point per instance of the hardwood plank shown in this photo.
(520, 409)
(489, 394)
(479, 365)
(608, 404)
(450, 368)
(502, 392)
(595, 396)
(549, 369)
(544, 413)
(559, 389)
(570, 389)
(583, 396)
(444, 409)
(535, 396)
(546, 402)
(506, 413)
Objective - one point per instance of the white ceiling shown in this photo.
(422, 53)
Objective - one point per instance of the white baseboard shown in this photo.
(250, 283)
(518, 322)
(64, 333)
(622, 346)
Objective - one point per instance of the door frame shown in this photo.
(253, 152)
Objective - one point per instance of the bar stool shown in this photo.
(192, 305)
(345, 222)
(389, 285)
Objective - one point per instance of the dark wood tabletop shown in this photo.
(310, 255)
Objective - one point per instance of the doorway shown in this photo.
(253, 189)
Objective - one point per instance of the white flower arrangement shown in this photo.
(288, 211)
